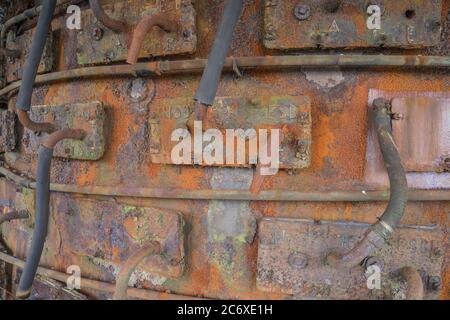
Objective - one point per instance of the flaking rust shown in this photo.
(8, 137)
(22, 43)
(91, 117)
(291, 258)
(112, 47)
(289, 114)
(290, 24)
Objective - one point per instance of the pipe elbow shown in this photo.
(141, 30)
(25, 120)
(113, 24)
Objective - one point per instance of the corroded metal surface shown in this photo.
(8, 138)
(90, 117)
(291, 258)
(296, 24)
(111, 46)
(15, 66)
(422, 132)
(431, 128)
(290, 114)
(221, 237)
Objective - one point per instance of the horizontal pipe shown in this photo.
(242, 195)
(267, 62)
(97, 285)
(229, 194)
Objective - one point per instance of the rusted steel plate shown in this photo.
(422, 133)
(112, 46)
(292, 24)
(107, 234)
(15, 66)
(291, 256)
(91, 117)
(375, 171)
(7, 131)
(290, 114)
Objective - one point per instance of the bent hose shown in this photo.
(210, 79)
(378, 233)
(42, 206)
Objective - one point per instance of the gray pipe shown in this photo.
(34, 58)
(211, 76)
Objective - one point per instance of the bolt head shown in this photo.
(298, 260)
(97, 34)
(302, 12)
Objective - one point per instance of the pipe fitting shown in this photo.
(25, 120)
(140, 31)
(152, 248)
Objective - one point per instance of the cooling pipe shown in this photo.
(152, 248)
(209, 83)
(107, 21)
(31, 66)
(42, 207)
(134, 34)
(378, 233)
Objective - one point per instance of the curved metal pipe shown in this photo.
(377, 235)
(209, 83)
(107, 21)
(98, 285)
(279, 63)
(14, 215)
(42, 208)
(152, 248)
(414, 283)
(141, 30)
(25, 120)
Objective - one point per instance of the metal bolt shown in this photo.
(302, 12)
(437, 252)
(298, 260)
(444, 164)
(434, 283)
(97, 34)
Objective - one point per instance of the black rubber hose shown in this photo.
(397, 177)
(379, 233)
(34, 58)
(209, 83)
(41, 223)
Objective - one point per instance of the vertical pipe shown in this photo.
(42, 206)
(34, 58)
(210, 79)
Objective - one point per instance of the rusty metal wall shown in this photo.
(214, 250)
